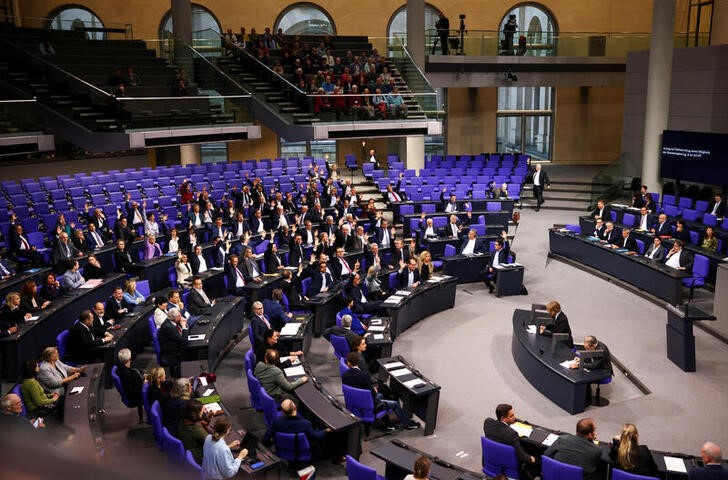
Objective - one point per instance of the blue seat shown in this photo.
(690, 214)
(341, 346)
(360, 402)
(270, 408)
(554, 470)
(640, 246)
(618, 474)
(142, 287)
(392, 281)
(694, 237)
(701, 268)
(685, 202)
(499, 458)
(293, 447)
(573, 228)
(145, 402)
(254, 388)
(343, 367)
(701, 206)
(155, 339)
(250, 360)
(668, 199)
(173, 448)
(62, 344)
(156, 415)
(450, 250)
(628, 220)
(17, 390)
(358, 471)
(305, 284)
(710, 220)
(493, 206)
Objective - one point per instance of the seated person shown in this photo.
(678, 258)
(172, 408)
(560, 324)
(601, 363)
(408, 275)
(151, 247)
(272, 378)
(421, 469)
(11, 314)
(38, 403)
(579, 449)
(662, 228)
(601, 212)
(472, 244)
(355, 377)
(611, 235)
(499, 430)
(117, 306)
(11, 416)
(72, 278)
(291, 422)
(184, 270)
(276, 312)
(656, 252)
(160, 311)
(53, 374)
(425, 265)
(712, 469)
(340, 331)
(30, 301)
(599, 228)
(217, 457)
(132, 380)
(498, 258)
(270, 341)
(194, 429)
(93, 268)
(710, 241)
(628, 455)
(131, 295)
(356, 324)
(681, 231)
(197, 301)
(81, 340)
(626, 241)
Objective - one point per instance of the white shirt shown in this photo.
(239, 280)
(204, 296)
(97, 239)
(652, 254)
(345, 268)
(451, 207)
(385, 238)
(643, 222)
(496, 258)
(203, 264)
(674, 260)
(410, 277)
(537, 178)
(715, 209)
(469, 247)
(454, 227)
(430, 232)
(261, 227)
(173, 245)
(282, 221)
(151, 228)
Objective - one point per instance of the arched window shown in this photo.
(75, 17)
(534, 32)
(202, 20)
(305, 19)
(397, 29)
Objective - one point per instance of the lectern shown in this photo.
(680, 338)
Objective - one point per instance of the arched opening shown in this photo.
(528, 29)
(397, 27)
(305, 19)
(205, 28)
(75, 17)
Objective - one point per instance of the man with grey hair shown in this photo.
(172, 340)
(341, 331)
(132, 380)
(601, 363)
(259, 322)
(11, 418)
(712, 469)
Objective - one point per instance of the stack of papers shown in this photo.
(33, 318)
(375, 321)
(531, 329)
(414, 383)
(76, 390)
(522, 429)
(392, 365)
(394, 299)
(674, 464)
(290, 329)
(295, 371)
(378, 336)
(374, 328)
(400, 372)
(437, 278)
(93, 283)
(403, 293)
(566, 363)
(192, 338)
(208, 392)
(550, 439)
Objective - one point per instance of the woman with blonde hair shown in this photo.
(425, 266)
(629, 455)
(131, 295)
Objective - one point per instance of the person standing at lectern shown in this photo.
(560, 324)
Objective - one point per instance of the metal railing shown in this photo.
(22, 115)
(105, 30)
(417, 81)
(608, 183)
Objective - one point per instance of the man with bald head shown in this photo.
(290, 422)
(712, 469)
(580, 450)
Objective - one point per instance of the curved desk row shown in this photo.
(539, 360)
(33, 336)
(81, 411)
(192, 369)
(407, 307)
(495, 220)
(400, 459)
(15, 283)
(477, 204)
(654, 278)
(211, 334)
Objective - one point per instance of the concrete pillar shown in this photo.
(412, 151)
(659, 77)
(182, 28)
(190, 154)
(16, 13)
(416, 31)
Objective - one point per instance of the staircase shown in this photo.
(572, 189)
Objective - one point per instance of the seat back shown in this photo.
(343, 367)
(341, 346)
(359, 402)
(254, 388)
(450, 250)
(493, 206)
(145, 401)
(119, 386)
(173, 448)
(358, 471)
(640, 246)
(305, 284)
(618, 474)
(499, 458)
(156, 416)
(155, 338)
(250, 360)
(62, 343)
(142, 287)
(293, 447)
(573, 228)
(270, 409)
(17, 390)
(701, 266)
(628, 220)
(554, 470)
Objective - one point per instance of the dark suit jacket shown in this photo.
(259, 328)
(641, 458)
(630, 245)
(613, 236)
(337, 269)
(560, 325)
(90, 271)
(112, 308)
(601, 363)
(709, 472)
(686, 260)
(196, 304)
(99, 327)
(195, 263)
(665, 231)
(123, 261)
(126, 234)
(271, 262)
(503, 256)
(317, 283)
(171, 343)
(80, 342)
(605, 213)
(232, 276)
(355, 377)
(578, 451)
(479, 247)
(502, 433)
(295, 424)
(404, 274)
(247, 267)
(659, 256)
(398, 255)
(296, 255)
(720, 212)
(276, 314)
(447, 230)
(59, 254)
(132, 381)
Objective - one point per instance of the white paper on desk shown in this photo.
(375, 321)
(208, 392)
(437, 278)
(523, 431)
(531, 329)
(203, 382)
(295, 361)
(413, 383)
(217, 269)
(391, 365)
(93, 283)
(290, 329)
(192, 338)
(432, 280)
(675, 464)
(213, 407)
(566, 363)
(33, 318)
(400, 372)
(76, 390)
(378, 336)
(403, 293)
(295, 371)
(375, 328)
(393, 300)
(550, 439)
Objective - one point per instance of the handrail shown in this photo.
(56, 67)
(126, 25)
(404, 48)
(280, 77)
(188, 97)
(217, 69)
